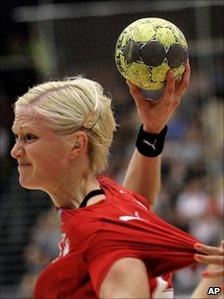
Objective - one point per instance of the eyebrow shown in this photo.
(21, 127)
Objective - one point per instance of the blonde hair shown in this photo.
(76, 104)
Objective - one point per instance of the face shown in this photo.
(41, 155)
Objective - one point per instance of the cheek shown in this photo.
(52, 159)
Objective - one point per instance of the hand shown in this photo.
(214, 256)
(155, 114)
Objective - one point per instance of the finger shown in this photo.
(209, 259)
(136, 94)
(221, 245)
(169, 88)
(213, 273)
(184, 82)
(209, 249)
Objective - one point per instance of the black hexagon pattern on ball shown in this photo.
(131, 52)
(153, 53)
(176, 56)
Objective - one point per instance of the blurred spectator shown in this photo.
(196, 211)
(42, 249)
(46, 233)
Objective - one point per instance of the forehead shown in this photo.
(27, 117)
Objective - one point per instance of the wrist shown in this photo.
(150, 144)
(151, 130)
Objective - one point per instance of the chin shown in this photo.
(28, 184)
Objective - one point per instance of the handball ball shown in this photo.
(149, 47)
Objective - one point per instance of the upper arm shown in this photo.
(126, 278)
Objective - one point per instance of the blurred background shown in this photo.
(45, 40)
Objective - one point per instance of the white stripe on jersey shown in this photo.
(161, 291)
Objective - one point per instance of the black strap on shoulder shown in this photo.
(89, 195)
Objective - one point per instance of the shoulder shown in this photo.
(79, 225)
(112, 188)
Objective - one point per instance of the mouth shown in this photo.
(24, 164)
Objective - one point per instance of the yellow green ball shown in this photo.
(149, 47)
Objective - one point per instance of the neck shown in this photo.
(71, 192)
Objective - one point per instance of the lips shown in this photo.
(23, 164)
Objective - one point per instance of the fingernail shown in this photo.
(197, 257)
(205, 273)
(197, 245)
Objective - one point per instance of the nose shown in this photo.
(17, 151)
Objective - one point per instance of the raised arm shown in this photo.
(143, 173)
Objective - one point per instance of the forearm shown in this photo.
(143, 175)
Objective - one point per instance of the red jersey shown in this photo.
(119, 226)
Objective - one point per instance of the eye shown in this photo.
(26, 138)
(29, 137)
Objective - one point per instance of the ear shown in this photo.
(79, 144)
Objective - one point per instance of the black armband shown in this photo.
(150, 145)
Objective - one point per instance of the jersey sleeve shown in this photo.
(163, 247)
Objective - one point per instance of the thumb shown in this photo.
(136, 94)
